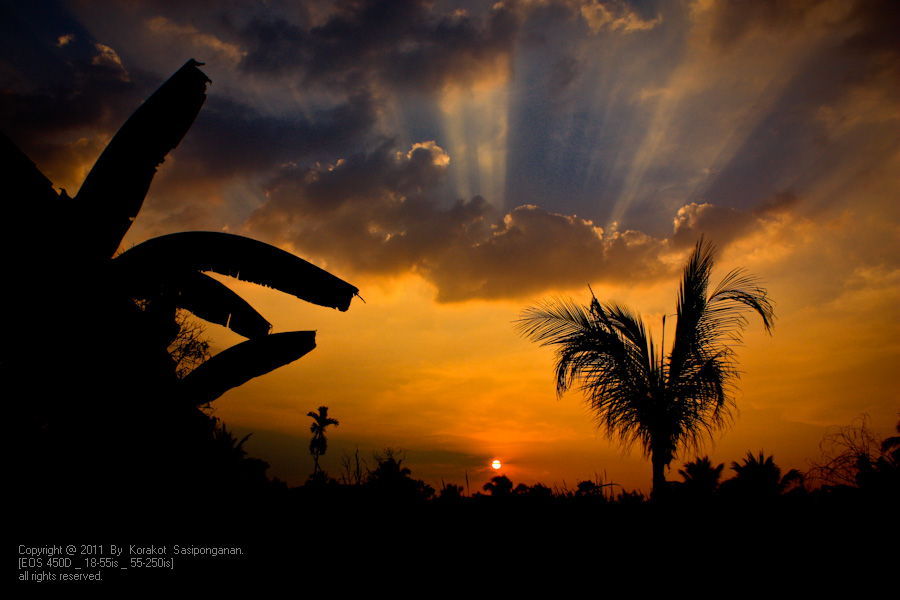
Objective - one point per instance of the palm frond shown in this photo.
(607, 351)
(551, 322)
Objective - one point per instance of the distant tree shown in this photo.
(534, 492)
(667, 402)
(890, 447)
(351, 469)
(700, 477)
(855, 456)
(318, 445)
(391, 481)
(499, 487)
(589, 489)
(758, 477)
(451, 493)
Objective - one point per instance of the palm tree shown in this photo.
(319, 443)
(700, 477)
(637, 394)
(759, 477)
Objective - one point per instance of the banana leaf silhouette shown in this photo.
(86, 231)
(242, 258)
(239, 364)
(113, 191)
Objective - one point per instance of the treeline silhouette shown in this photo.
(756, 480)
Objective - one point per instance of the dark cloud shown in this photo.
(876, 24)
(230, 138)
(374, 212)
(54, 77)
(401, 43)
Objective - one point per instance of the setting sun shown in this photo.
(496, 464)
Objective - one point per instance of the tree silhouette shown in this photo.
(638, 394)
(390, 481)
(700, 477)
(109, 380)
(890, 447)
(451, 493)
(499, 486)
(190, 348)
(318, 445)
(856, 456)
(759, 478)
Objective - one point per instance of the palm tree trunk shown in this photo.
(660, 485)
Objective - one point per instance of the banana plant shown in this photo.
(84, 233)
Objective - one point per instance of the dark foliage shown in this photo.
(107, 383)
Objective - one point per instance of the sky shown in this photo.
(461, 161)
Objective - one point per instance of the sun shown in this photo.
(496, 464)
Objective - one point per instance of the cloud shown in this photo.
(401, 43)
(373, 212)
(724, 224)
(203, 41)
(730, 22)
(616, 16)
(383, 212)
(107, 57)
(231, 138)
(532, 250)
(380, 212)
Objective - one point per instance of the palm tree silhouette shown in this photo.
(318, 445)
(759, 477)
(700, 477)
(637, 393)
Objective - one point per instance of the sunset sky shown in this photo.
(459, 161)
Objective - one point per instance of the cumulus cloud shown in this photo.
(379, 212)
(107, 57)
(533, 250)
(722, 222)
